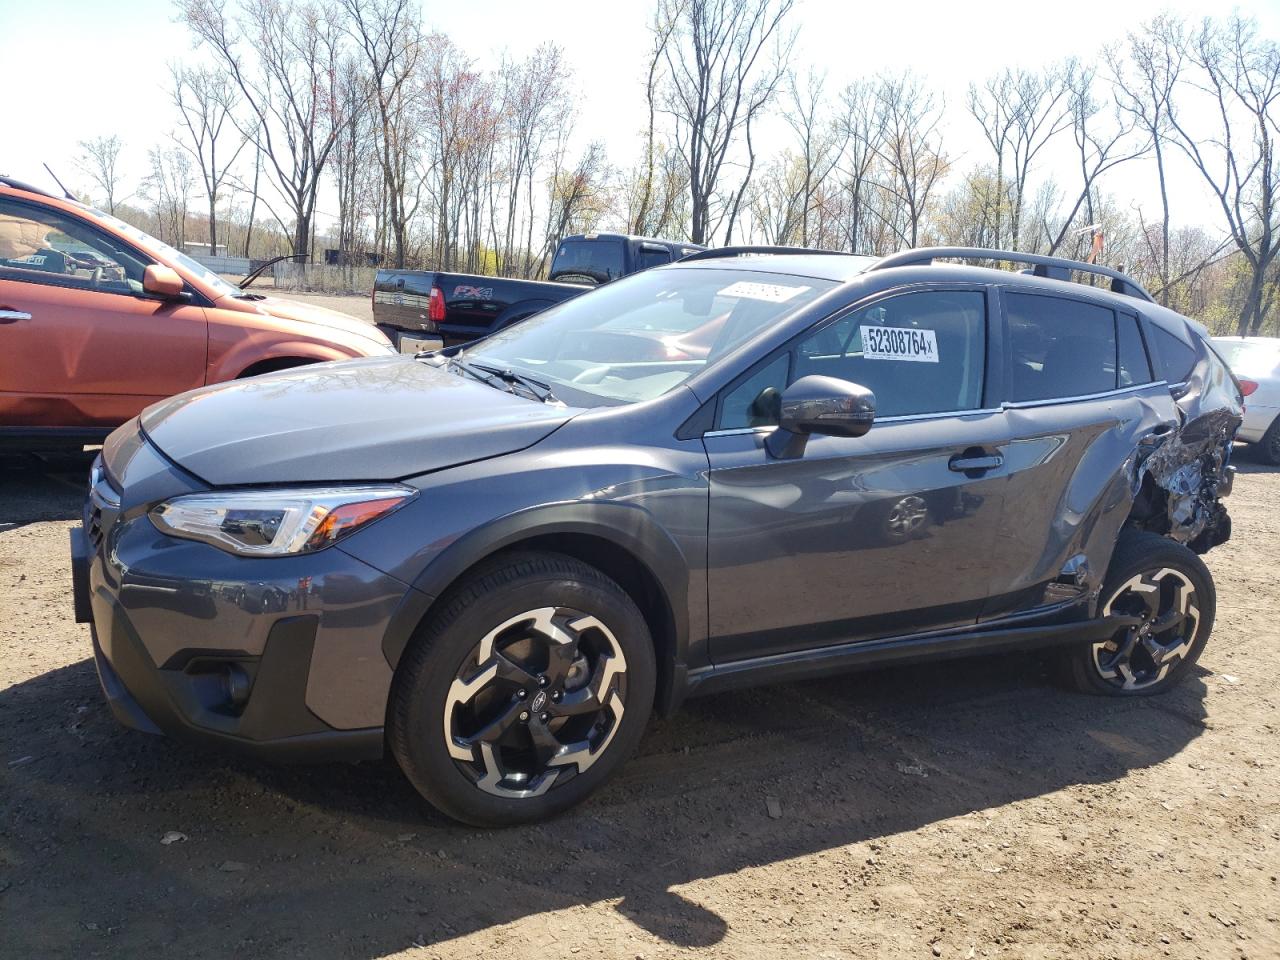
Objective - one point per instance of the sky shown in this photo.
(79, 69)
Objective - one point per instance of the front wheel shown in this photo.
(524, 693)
(1168, 594)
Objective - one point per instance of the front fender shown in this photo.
(627, 526)
(244, 355)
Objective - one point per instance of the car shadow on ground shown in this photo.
(345, 860)
(42, 486)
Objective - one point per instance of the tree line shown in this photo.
(435, 162)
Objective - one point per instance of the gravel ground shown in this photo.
(969, 809)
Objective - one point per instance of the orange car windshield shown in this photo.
(168, 253)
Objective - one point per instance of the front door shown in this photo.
(885, 534)
(81, 345)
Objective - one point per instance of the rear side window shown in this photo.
(653, 258)
(1059, 347)
(1175, 357)
(1135, 368)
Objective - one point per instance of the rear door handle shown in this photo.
(11, 316)
(975, 464)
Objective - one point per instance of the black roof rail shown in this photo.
(1056, 268)
(718, 253)
(19, 185)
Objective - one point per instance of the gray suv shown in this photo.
(496, 561)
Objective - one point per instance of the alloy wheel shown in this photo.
(1165, 616)
(536, 702)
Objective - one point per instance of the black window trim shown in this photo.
(195, 297)
(991, 302)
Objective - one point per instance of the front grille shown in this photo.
(104, 502)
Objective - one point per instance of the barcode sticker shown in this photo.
(899, 343)
(771, 292)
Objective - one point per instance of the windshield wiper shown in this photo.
(487, 374)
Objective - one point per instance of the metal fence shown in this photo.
(231, 266)
(323, 278)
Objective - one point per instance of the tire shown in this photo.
(468, 723)
(1269, 446)
(1147, 569)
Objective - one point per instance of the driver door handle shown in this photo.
(980, 464)
(11, 316)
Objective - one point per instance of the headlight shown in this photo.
(276, 523)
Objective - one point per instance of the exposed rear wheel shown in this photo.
(524, 693)
(1269, 446)
(1168, 597)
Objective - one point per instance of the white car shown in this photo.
(1256, 360)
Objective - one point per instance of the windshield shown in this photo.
(175, 257)
(601, 260)
(644, 335)
(1245, 357)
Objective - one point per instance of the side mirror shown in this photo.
(822, 405)
(162, 281)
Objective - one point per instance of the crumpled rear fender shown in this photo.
(1182, 473)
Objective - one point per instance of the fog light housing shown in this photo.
(237, 684)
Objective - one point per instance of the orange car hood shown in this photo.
(305, 313)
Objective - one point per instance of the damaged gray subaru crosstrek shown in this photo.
(495, 561)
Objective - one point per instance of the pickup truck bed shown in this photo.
(425, 309)
(470, 306)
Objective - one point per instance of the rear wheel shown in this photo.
(1168, 595)
(1269, 446)
(525, 693)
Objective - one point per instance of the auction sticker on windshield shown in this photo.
(899, 343)
(771, 292)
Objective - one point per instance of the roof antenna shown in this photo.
(65, 192)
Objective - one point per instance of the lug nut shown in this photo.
(522, 694)
(543, 718)
(543, 681)
(556, 695)
(524, 714)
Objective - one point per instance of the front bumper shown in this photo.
(275, 657)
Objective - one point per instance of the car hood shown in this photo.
(306, 313)
(374, 419)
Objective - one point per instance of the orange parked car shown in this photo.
(98, 320)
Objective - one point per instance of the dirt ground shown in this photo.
(964, 810)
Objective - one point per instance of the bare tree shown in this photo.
(861, 124)
(389, 34)
(1020, 111)
(1104, 138)
(1145, 92)
(1238, 74)
(666, 18)
(168, 187)
(204, 99)
(722, 63)
(911, 149)
(100, 160)
(284, 57)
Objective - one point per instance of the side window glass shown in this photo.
(1135, 368)
(39, 245)
(918, 352)
(756, 401)
(1176, 358)
(1059, 347)
(653, 258)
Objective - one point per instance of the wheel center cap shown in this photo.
(539, 701)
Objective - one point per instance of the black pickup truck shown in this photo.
(425, 309)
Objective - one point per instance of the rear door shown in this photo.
(1080, 398)
(81, 345)
(878, 536)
